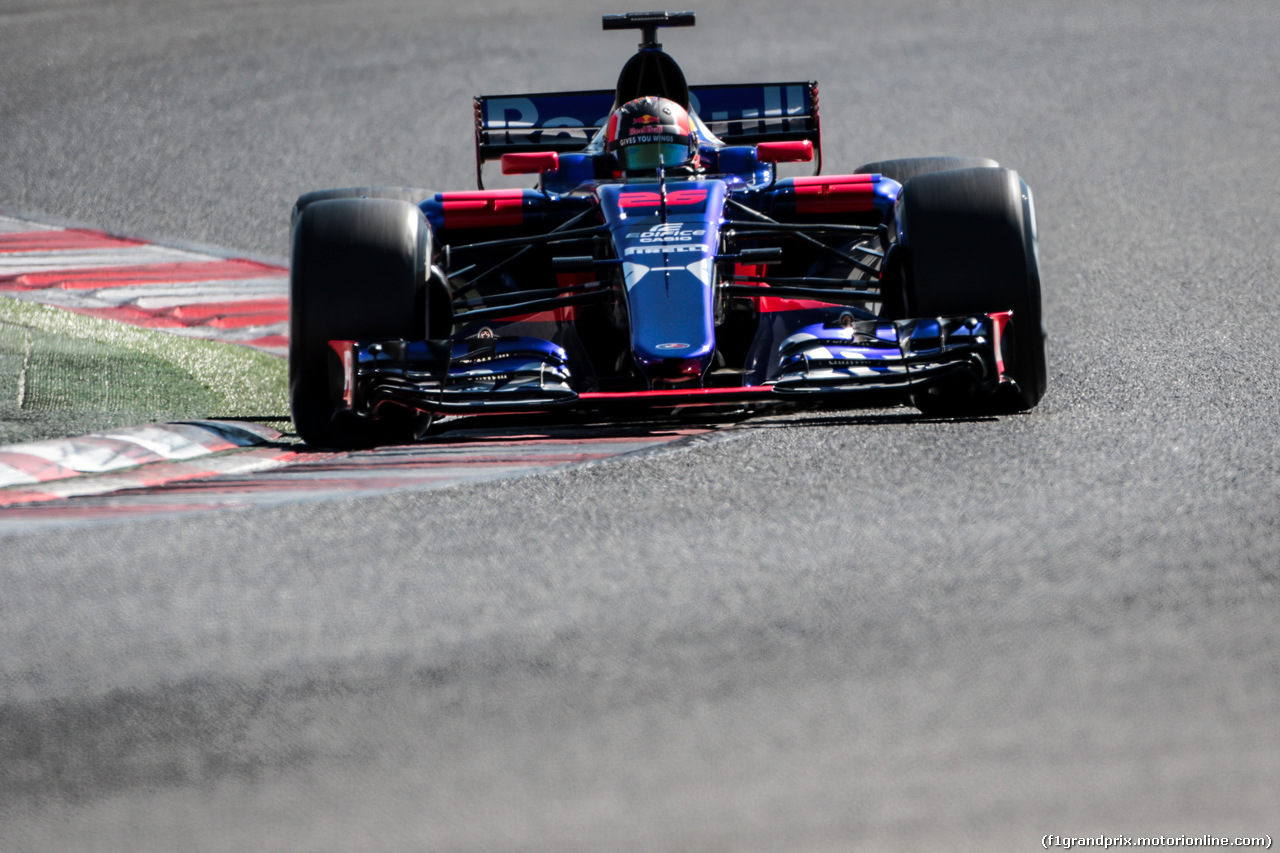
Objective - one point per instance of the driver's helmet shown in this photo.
(650, 131)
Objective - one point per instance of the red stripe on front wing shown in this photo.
(999, 321)
(762, 390)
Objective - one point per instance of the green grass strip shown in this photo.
(64, 374)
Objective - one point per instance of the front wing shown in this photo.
(850, 363)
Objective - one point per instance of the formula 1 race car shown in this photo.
(662, 264)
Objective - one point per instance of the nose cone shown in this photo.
(668, 266)
(672, 331)
(676, 370)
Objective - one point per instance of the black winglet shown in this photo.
(649, 22)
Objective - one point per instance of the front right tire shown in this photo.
(906, 168)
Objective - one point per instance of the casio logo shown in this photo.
(667, 232)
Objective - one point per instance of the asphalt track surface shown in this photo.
(832, 632)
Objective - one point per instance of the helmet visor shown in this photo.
(644, 156)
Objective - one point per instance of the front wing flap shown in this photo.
(858, 356)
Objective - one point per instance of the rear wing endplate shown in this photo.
(564, 122)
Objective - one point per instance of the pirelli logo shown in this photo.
(671, 249)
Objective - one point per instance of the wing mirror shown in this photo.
(799, 151)
(530, 163)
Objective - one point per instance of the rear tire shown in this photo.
(971, 247)
(905, 169)
(358, 272)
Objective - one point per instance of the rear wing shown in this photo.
(740, 114)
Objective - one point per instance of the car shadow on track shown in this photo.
(508, 429)
(901, 417)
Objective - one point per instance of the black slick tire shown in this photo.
(970, 245)
(410, 194)
(893, 304)
(358, 272)
(906, 168)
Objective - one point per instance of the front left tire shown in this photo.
(971, 247)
